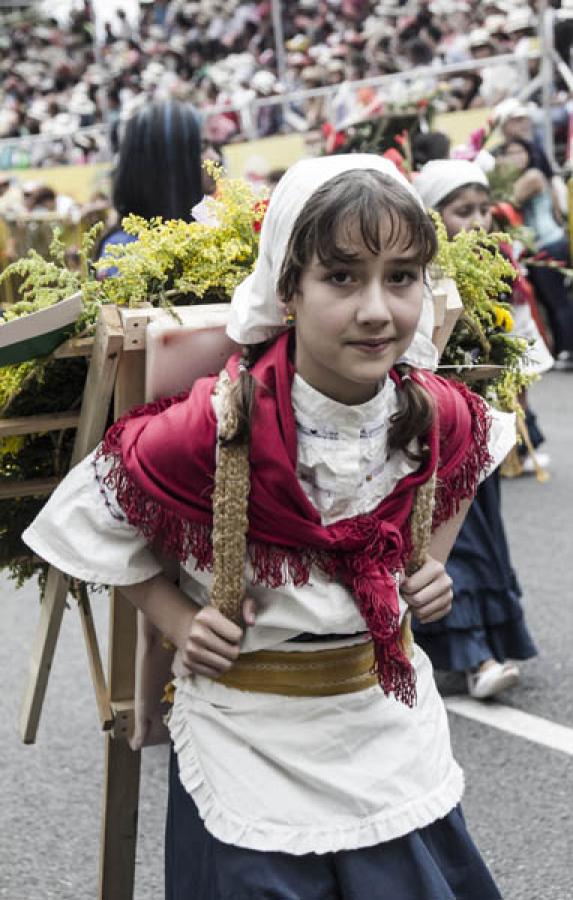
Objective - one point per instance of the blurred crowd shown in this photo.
(209, 61)
(60, 76)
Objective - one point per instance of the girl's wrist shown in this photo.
(165, 605)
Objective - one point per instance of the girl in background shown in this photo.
(485, 631)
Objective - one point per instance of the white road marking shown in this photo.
(514, 721)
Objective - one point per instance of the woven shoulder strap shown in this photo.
(421, 525)
(230, 508)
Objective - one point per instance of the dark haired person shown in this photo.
(158, 171)
(429, 145)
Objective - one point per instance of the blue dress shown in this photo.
(114, 239)
(439, 862)
(486, 620)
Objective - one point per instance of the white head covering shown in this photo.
(256, 314)
(441, 177)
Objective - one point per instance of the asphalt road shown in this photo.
(519, 794)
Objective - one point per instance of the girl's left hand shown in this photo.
(428, 592)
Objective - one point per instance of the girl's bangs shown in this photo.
(377, 213)
(342, 240)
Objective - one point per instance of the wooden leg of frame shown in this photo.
(51, 613)
(108, 344)
(94, 658)
(119, 827)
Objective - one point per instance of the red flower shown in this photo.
(333, 139)
(396, 157)
(506, 212)
(477, 139)
(260, 210)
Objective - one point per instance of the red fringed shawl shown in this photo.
(163, 461)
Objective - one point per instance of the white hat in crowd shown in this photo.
(520, 20)
(441, 177)
(512, 109)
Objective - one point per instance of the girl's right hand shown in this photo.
(213, 642)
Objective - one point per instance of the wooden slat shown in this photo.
(38, 424)
(35, 487)
(129, 391)
(94, 658)
(108, 344)
(74, 347)
(119, 827)
(40, 662)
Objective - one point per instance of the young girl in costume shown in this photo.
(485, 631)
(311, 756)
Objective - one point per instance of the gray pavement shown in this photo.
(518, 797)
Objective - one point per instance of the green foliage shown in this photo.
(481, 335)
(48, 280)
(182, 262)
(50, 388)
(170, 263)
(502, 180)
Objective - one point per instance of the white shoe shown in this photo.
(528, 466)
(489, 682)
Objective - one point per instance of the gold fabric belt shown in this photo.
(316, 673)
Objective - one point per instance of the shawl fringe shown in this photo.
(174, 535)
(462, 483)
(178, 537)
(392, 667)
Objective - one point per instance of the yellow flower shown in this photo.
(11, 446)
(503, 318)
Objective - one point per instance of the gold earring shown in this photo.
(289, 319)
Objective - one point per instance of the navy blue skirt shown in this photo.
(486, 620)
(439, 862)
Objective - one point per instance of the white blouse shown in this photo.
(292, 774)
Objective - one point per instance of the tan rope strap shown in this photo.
(230, 508)
(421, 525)
(316, 673)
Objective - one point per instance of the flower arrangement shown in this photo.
(170, 263)
(181, 262)
(481, 336)
(379, 125)
(388, 132)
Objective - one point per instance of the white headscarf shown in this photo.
(256, 314)
(441, 177)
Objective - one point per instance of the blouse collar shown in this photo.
(311, 404)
